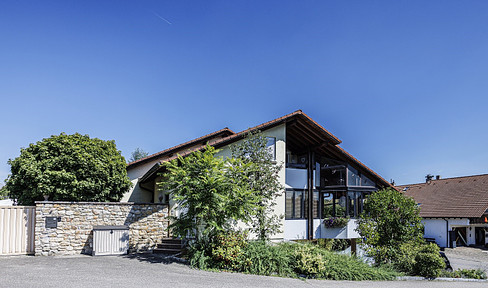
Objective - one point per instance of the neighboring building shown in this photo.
(317, 173)
(6, 202)
(453, 209)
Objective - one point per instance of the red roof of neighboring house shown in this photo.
(459, 197)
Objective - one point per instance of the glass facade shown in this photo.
(340, 190)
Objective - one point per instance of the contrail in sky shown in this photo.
(162, 18)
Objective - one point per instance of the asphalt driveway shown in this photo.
(468, 258)
(153, 271)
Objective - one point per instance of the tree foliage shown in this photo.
(3, 192)
(389, 220)
(137, 154)
(214, 193)
(68, 168)
(211, 199)
(262, 172)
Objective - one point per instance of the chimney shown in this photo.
(437, 177)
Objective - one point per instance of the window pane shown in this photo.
(289, 205)
(340, 204)
(271, 146)
(316, 203)
(353, 178)
(365, 181)
(328, 205)
(298, 204)
(333, 176)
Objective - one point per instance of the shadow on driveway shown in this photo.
(154, 258)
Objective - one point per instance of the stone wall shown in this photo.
(73, 235)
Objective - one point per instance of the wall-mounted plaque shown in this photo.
(52, 222)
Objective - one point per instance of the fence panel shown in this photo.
(17, 229)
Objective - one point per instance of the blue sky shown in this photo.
(402, 83)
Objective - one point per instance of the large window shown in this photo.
(354, 178)
(296, 205)
(342, 203)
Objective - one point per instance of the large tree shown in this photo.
(68, 168)
(389, 220)
(262, 172)
(3, 192)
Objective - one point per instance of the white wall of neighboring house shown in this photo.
(6, 202)
(437, 229)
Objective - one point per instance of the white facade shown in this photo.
(136, 193)
(288, 177)
(438, 228)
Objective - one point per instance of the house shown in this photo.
(454, 210)
(317, 173)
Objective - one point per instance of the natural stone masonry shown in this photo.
(74, 233)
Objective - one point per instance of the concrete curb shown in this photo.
(413, 278)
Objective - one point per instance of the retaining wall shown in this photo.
(74, 235)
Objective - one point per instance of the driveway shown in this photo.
(468, 258)
(153, 271)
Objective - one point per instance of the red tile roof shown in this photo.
(197, 144)
(206, 138)
(463, 197)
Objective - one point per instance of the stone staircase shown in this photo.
(169, 246)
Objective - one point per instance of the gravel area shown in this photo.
(468, 258)
(155, 271)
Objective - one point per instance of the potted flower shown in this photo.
(336, 222)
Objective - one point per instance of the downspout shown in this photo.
(310, 195)
(447, 232)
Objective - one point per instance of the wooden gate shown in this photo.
(17, 229)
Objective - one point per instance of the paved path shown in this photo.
(151, 271)
(468, 258)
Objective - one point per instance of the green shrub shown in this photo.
(333, 244)
(428, 262)
(404, 258)
(414, 259)
(263, 258)
(307, 261)
(228, 248)
(465, 273)
(198, 256)
(314, 262)
(230, 251)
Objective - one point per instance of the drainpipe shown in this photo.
(310, 194)
(447, 232)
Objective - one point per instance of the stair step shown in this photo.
(171, 241)
(166, 251)
(169, 245)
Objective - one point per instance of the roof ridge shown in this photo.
(437, 180)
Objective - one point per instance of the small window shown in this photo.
(271, 146)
